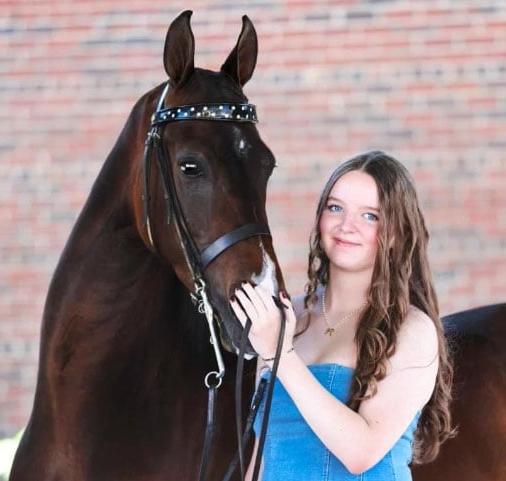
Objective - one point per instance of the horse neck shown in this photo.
(109, 292)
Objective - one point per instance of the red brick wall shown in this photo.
(425, 81)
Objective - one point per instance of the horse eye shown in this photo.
(190, 168)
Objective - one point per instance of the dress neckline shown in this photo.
(325, 365)
(330, 364)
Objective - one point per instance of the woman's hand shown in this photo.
(257, 304)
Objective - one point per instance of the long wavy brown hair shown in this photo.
(401, 277)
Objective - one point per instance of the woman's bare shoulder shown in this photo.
(417, 342)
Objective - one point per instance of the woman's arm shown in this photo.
(360, 440)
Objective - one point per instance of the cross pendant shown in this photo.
(329, 331)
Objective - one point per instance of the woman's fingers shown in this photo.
(261, 300)
(247, 305)
(260, 296)
(266, 297)
(258, 304)
(239, 313)
(254, 296)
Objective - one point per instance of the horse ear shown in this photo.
(243, 58)
(179, 50)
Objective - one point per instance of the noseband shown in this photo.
(198, 260)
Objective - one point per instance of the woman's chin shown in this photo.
(344, 264)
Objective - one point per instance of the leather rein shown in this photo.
(197, 261)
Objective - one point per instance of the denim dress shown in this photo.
(293, 452)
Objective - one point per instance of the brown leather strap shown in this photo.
(209, 434)
(229, 239)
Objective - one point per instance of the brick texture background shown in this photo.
(425, 81)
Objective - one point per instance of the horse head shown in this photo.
(212, 175)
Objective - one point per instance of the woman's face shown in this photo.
(350, 222)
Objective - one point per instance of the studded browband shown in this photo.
(233, 112)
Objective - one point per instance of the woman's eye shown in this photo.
(190, 168)
(333, 207)
(371, 216)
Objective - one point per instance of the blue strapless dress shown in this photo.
(292, 452)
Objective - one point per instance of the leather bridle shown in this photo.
(197, 261)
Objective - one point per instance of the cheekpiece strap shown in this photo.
(232, 112)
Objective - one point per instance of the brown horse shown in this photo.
(478, 452)
(120, 391)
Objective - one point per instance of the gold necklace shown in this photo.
(331, 329)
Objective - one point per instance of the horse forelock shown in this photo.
(206, 86)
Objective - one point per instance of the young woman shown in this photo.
(364, 379)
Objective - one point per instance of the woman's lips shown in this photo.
(344, 243)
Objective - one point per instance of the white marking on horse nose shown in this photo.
(242, 144)
(267, 277)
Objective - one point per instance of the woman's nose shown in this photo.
(347, 222)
